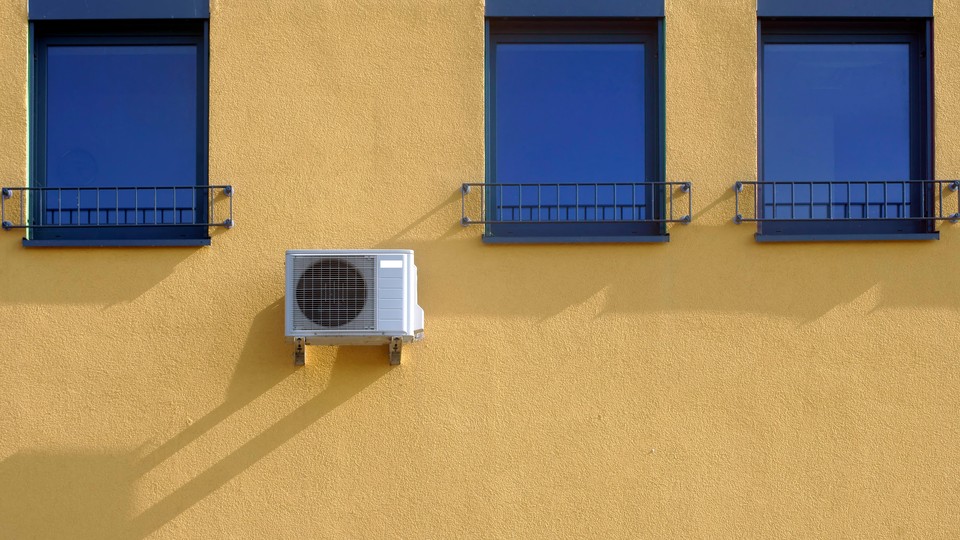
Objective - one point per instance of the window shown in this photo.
(119, 132)
(573, 123)
(845, 147)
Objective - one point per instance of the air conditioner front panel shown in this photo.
(351, 296)
(335, 293)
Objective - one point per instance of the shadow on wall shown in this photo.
(353, 369)
(86, 276)
(49, 495)
(703, 269)
(263, 363)
(65, 495)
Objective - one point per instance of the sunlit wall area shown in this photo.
(606, 351)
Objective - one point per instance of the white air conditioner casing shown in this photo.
(352, 297)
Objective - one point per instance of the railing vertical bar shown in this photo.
(576, 203)
(866, 200)
(520, 201)
(558, 202)
(793, 200)
(615, 217)
(23, 216)
(736, 200)
(596, 199)
(483, 202)
(774, 201)
(829, 201)
(757, 196)
(883, 211)
(905, 196)
(940, 202)
(847, 208)
(669, 188)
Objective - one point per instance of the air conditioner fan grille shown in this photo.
(335, 292)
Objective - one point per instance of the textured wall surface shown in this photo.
(709, 387)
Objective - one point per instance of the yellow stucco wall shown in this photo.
(709, 387)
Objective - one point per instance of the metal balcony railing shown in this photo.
(97, 207)
(913, 200)
(640, 202)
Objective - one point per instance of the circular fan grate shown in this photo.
(331, 293)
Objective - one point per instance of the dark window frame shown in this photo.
(193, 32)
(915, 32)
(551, 30)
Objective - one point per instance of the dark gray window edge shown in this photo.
(179, 242)
(574, 8)
(51, 10)
(786, 238)
(506, 240)
(845, 8)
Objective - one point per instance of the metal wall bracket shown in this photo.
(300, 353)
(395, 349)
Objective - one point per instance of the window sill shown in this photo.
(656, 239)
(780, 238)
(177, 242)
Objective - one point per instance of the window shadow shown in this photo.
(104, 276)
(50, 495)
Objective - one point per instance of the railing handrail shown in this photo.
(26, 221)
(933, 207)
(669, 217)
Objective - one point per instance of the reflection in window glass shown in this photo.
(837, 112)
(121, 116)
(570, 113)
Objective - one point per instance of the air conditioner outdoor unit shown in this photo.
(352, 297)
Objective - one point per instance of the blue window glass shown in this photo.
(125, 113)
(574, 136)
(842, 146)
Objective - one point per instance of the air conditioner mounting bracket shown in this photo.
(395, 348)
